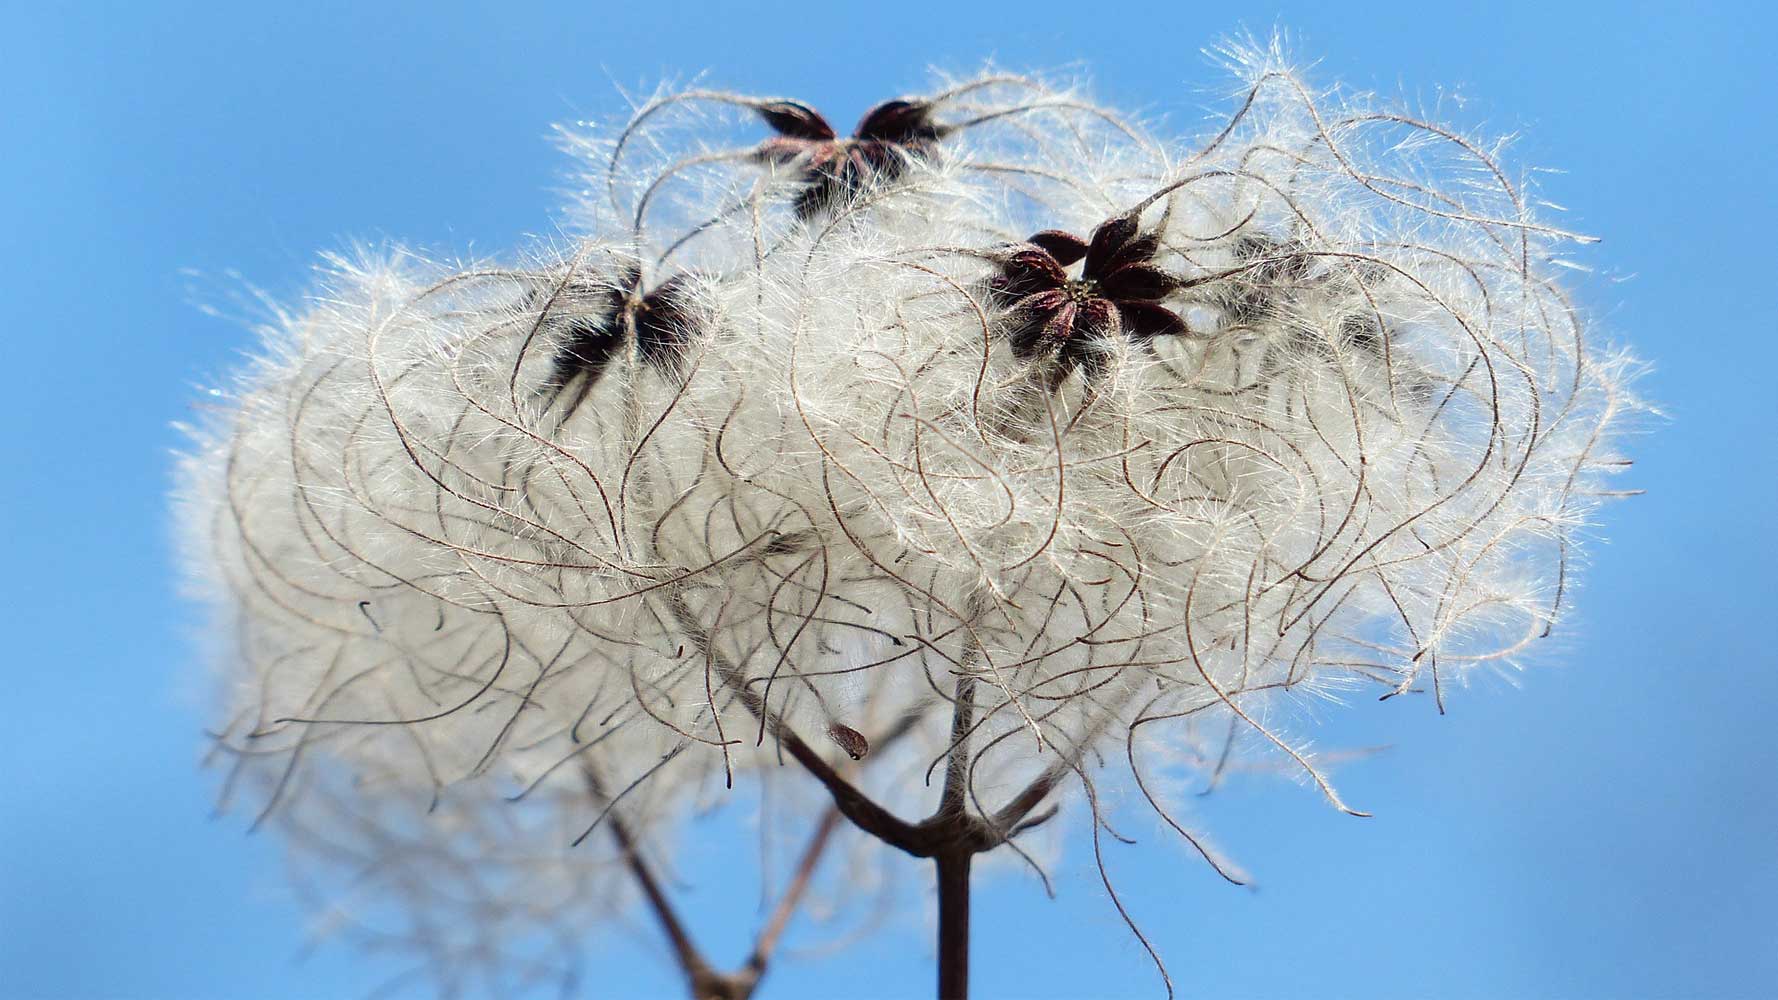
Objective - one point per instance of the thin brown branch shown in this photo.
(704, 980)
(1010, 815)
(767, 942)
(950, 801)
(691, 961)
(855, 805)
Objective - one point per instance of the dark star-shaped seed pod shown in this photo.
(888, 138)
(1064, 320)
(662, 323)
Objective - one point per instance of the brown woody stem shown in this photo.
(951, 836)
(953, 925)
(953, 863)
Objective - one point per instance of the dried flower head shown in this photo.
(887, 139)
(1066, 321)
(898, 495)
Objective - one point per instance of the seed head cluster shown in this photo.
(1124, 440)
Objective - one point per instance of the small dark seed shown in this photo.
(849, 740)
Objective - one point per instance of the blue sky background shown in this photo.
(1609, 828)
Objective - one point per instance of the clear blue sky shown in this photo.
(1607, 829)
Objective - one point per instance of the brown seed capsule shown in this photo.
(891, 137)
(850, 740)
(1065, 320)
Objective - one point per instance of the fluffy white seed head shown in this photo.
(472, 528)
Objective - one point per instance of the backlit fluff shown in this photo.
(467, 525)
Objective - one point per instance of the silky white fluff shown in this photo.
(1369, 461)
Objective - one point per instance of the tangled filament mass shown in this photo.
(1002, 401)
